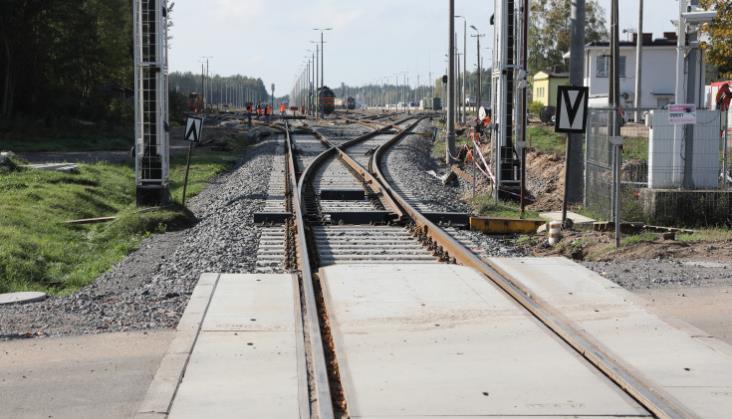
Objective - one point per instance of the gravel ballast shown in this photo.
(647, 274)
(406, 166)
(150, 288)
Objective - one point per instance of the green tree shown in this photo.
(719, 47)
(549, 32)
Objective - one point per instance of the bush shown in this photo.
(535, 108)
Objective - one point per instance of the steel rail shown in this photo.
(318, 362)
(657, 401)
(361, 171)
(320, 370)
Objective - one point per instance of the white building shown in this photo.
(658, 71)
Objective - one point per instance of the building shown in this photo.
(545, 86)
(658, 71)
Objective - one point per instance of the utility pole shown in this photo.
(680, 96)
(477, 36)
(614, 104)
(522, 105)
(694, 79)
(638, 62)
(273, 99)
(456, 96)
(322, 66)
(318, 69)
(465, 66)
(457, 81)
(575, 156)
(450, 149)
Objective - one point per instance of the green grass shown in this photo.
(38, 251)
(485, 205)
(635, 148)
(706, 235)
(628, 240)
(545, 140)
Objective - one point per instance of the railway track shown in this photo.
(345, 210)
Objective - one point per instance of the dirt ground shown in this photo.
(545, 181)
(706, 308)
(93, 376)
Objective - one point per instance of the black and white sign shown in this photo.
(571, 109)
(194, 125)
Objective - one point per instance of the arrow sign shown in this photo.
(571, 109)
(194, 125)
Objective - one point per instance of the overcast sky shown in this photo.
(371, 40)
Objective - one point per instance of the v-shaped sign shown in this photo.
(571, 109)
(194, 126)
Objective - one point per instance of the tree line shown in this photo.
(66, 59)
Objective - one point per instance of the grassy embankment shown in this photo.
(38, 251)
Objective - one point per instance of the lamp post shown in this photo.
(450, 149)
(322, 64)
(318, 70)
(477, 36)
(465, 65)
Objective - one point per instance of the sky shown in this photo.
(371, 40)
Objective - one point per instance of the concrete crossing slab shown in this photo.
(245, 357)
(439, 340)
(691, 366)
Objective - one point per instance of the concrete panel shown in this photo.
(439, 340)
(245, 362)
(240, 375)
(252, 303)
(694, 369)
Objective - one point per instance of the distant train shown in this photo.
(327, 100)
(351, 103)
(428, 103)
(348, 103)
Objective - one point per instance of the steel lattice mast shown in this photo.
(151, 101)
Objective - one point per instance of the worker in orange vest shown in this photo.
(283, 108)
(267, 112)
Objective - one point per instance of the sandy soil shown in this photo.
(706, 308)
(96, 376)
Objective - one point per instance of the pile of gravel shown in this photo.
(151, 287)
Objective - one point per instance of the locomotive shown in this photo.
(350, 103)
(327, 100)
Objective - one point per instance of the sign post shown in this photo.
(571, 118)
(194, 127)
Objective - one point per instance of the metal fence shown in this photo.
(659, 185)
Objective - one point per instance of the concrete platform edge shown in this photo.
(162, 390)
